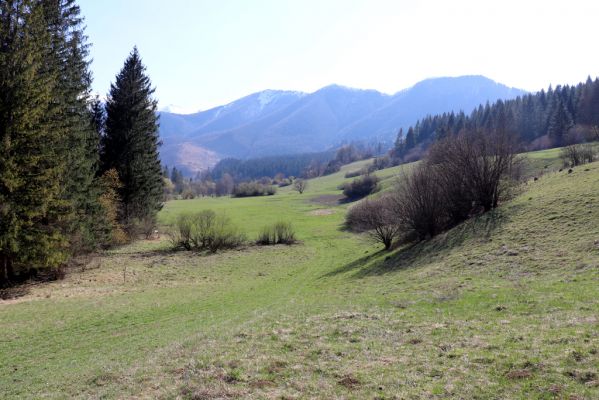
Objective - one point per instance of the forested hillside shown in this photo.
(552, 118)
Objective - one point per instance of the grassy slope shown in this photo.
(506, 305)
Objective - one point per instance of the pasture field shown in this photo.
(504, 306)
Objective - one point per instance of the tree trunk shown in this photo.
(6, 272)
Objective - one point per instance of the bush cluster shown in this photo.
(463, 175)
(353, 174)
(577, 154)
(279, 233)
(361, 187)
(205, 230)
(209, 231)
(249, 189)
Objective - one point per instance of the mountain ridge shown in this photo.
(274, 122)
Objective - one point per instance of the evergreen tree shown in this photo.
(97, 119)
(410, 139)
(560, 122)
(31, 166)
(398, 150)
(130, 143)
(84, 220)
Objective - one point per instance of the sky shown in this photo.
(203, 53)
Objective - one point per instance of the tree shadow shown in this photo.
(412, 255)
(348, 200)
(356, 264)
(14, 292)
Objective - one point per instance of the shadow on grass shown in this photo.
(332, 200)
(413, 255)
(11, 293)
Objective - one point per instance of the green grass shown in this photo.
(504, 306)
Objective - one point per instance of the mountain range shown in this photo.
(275, 122)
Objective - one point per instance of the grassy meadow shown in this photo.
(503, 306)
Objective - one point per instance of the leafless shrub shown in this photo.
(417, 202)
(353, 174)
(361, 187)
(250, 189)
(577, 154)
(205, 230)
(300, 185)
(375, 217)
(147, 225)
(279, 233)
(477, 163)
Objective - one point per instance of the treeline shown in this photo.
(74, 175)
(308, 165)
(261, 176)
(252, 169)
(551, 118)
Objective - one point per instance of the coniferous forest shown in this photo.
(552, 118)
(75, 175)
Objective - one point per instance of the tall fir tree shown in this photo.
(410, 139)
(31, 166)
(84, 223)
(130, 142)
(559, 123)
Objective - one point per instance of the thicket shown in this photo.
(208, 231)
(463, 175)
(278, 233)
(361, 187)
(578, 154)
(353, 174)
(249, 189)
(205, 231)
(374, 216)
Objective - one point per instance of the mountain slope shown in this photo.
(432, 96)
(282, 122)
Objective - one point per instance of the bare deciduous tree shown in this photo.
(375, 218)
(300, 185)
(478, 163)
(417, 202)
(577, 154)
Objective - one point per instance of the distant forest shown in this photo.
(305, 165)
(552, 118)
(288, 165)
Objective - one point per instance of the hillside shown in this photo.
(280, 122)
(503, 306)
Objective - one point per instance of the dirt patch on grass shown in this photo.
(328, 199)
(519, 374)
(349, 382)
(322, 212)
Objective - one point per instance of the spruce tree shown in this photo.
(559, 123)
(84, 222)
(31, 195)
(410, 139)
(130, 142)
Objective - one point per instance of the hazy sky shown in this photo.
(203, 53)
